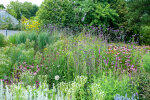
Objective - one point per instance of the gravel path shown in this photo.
(9, 32)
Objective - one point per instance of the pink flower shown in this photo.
(118, 53)
(24, 62)
(115, 48)
(123, 52)
(34, 73)
(32, 66)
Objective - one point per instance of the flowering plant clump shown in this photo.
(98, 94)
(31, 68)
(26, 72)
(121, 58)
(70, 89)
(30, 25)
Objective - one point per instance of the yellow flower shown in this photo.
(45, 49)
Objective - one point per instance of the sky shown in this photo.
(6, 2)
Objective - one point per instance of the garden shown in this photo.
(61, 57)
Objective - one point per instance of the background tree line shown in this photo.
(133, 15)
(18, 9)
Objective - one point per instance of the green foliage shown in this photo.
(138, 16)
(17, 9)
(20, 53)
(101, 70)
(58, 12)
(32, 36)
(144, 87)
(5, 66)
(145, 34)
(27, 76)
(121, 9)
(146, 62)
(21, 38)
(42, 40)
(74, 13)
(2, 39)
(12, 39)
(27, 56)
(6, 23)
(72, 88)
(18, 38)
(103, 14)
(109, 86)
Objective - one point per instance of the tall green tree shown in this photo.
(18, 9)
(15, 8)
(57, 12)
(139, 19)
(122, 10)
(76, 12)
(139, 13)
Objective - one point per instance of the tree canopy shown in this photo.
(18, 9)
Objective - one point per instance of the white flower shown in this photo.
(56, 77)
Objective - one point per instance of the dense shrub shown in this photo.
(76, 13)
(145, 34)
(56, 12)
(103, 14)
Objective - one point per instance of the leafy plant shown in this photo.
(146, 62)
(2, 39)
(5, 66)
(145, 34)
(27, 56)
(109, 86)
(42, 40)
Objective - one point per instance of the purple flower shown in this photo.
(116, 64)
(132, 66)
(107, 60)
(129, 74)
(99, 51)
(116, 58)
(136, 93)
(112, 63)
